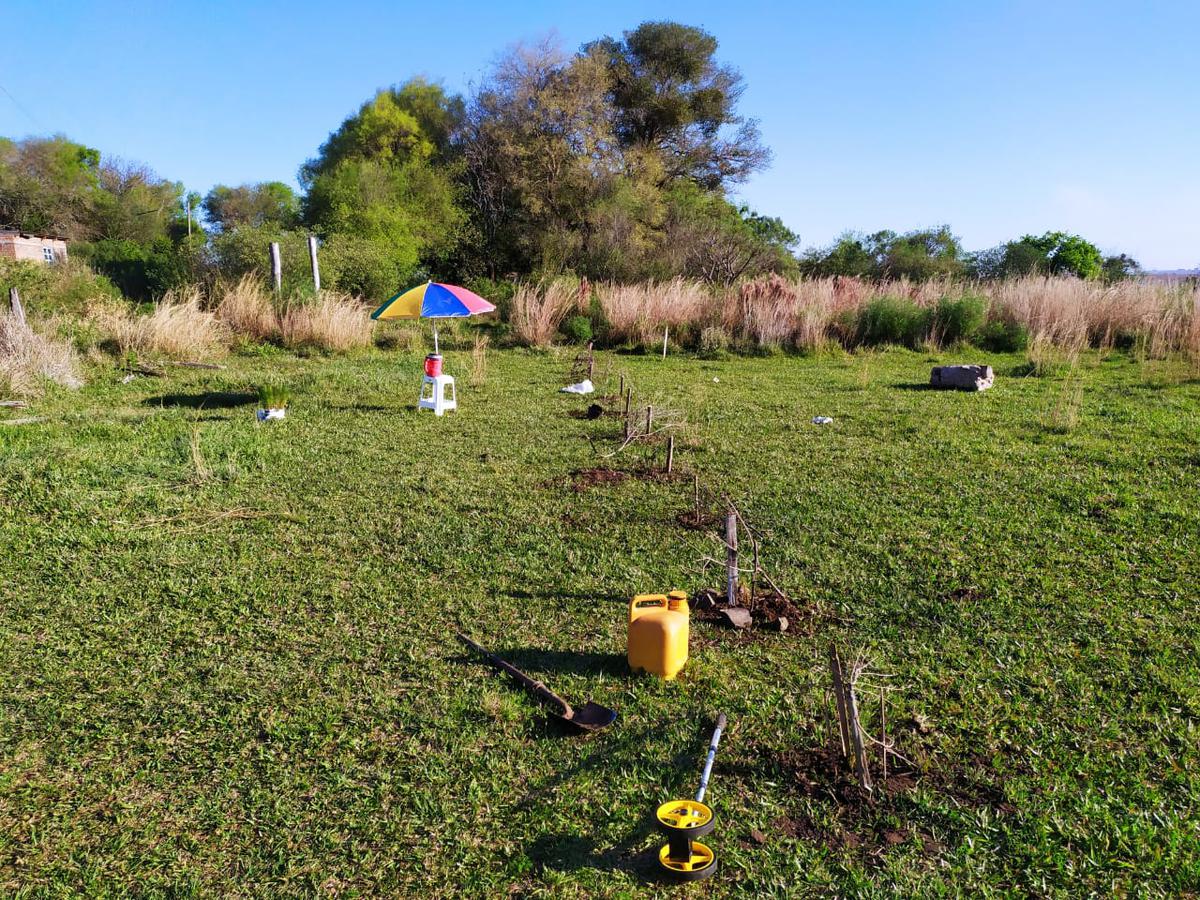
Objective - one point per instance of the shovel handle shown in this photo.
(537, 687)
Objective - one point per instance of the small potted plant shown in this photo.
(273, 402)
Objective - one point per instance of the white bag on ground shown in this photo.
(583, 387)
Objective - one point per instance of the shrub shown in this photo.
(892, 320)
(27, 358)
(958, 319)
(578, 329)
(1003, 336)
(713, 341)
(62, 287)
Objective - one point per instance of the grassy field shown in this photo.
(229, 667)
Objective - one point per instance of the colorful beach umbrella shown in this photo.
(433, 301)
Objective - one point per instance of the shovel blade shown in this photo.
(591, 716)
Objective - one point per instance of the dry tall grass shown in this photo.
(247, 309)
(538, 310)
(638, 313)
(28, 358)
(333, 322)
(1064, 315)
(178, 327)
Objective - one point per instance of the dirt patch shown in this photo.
(866, 820)
(769, 611)
(582, 479)
(699, 520)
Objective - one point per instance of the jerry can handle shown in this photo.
(642, 602)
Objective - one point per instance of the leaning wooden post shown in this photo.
(312, 259)
(14, 303)
(856, 738)
(839, 697)
(731, 560)
(670, 453)
(276, 267)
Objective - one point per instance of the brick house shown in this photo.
(42, 248)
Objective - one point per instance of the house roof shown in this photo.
(32, 234)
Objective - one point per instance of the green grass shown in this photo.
(229, 667)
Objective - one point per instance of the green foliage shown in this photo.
(958, 319)
(47, 185)
(1119, 267)
(142, 272)
(246, 250)
(51, 289)
(413, 122)
(670, 95)
(892, 320)
(1003, 336)
(578, 329)
(365, 268)
(273, 395)
(256, 205)
(1053, 253)
(919, 255)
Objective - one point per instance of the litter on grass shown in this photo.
(581, 387)
(822, 420)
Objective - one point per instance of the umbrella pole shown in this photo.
(435, 340)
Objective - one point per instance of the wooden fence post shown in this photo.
(731, 560)
(14, 303)
(276, 267)
(312, 258)
(665, 330)
(670, 453)
(649, 419)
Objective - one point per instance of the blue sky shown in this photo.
(997, 118)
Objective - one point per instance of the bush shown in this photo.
(62, 287)
(1001, 336)
(958, 319)
(578, 329)
(892, 320)
(713, 341)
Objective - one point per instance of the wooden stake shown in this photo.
(276, 267)
(649, 419)
(856, 737)
(591, 359)
(14, 303)
(665, 343)
(312, 259)
(621, 392)
(883, 733)
(696, 489)
(628, 401)
(731, 559)
(670, 453)
(839, 698)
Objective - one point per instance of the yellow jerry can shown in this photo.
(658, 633)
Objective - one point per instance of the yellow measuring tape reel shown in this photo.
(683, 858)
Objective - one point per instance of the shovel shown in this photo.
(589, 717)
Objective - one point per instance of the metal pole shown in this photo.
(712, 754)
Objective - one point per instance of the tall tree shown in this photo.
(670, 94)
(265, 203)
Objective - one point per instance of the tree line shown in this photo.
(617, 161)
